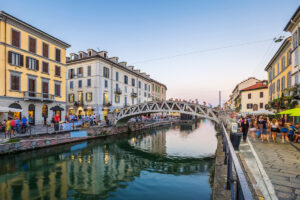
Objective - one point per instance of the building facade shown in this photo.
(97, 84)
(254, 97)
(293, 26)
(158, 91)
(235, 97)
(32, 70)
(280, 71)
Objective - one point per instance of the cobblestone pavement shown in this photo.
(281, 162)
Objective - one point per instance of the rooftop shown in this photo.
(258, 85)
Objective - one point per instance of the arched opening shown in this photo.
(45, 113)
(14, 115)
(31, 114)
(57, 111)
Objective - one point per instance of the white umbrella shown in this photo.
(7, 109)
(261, 112)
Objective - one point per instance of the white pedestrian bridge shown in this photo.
(201, 111)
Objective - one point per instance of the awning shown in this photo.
(7, 109)
(57, 108)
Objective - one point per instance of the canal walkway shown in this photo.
(274, 168)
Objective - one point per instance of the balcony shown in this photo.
(118, 91)
(107, 104)
(133, 94)
(78, 103)
(28, 95)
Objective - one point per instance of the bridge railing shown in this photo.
(238, 186)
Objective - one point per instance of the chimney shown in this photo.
(131, 67)
(114, 59)
(137, 71)
(103, 54)
(82, 54)
(91, 52)
(123, 63)
(147, 75)
(73, 56)
(143, 74)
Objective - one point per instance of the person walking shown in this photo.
(17, 120)
(245, 127)
(13, 127)
(56, 122)
(8, 128)
(274, 129)
(24, 124)
(253, 128)
(284, 131)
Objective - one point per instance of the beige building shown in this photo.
(293, 26)
(235, 96)
(159, 91)
(254, 97)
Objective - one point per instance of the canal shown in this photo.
(164, 163)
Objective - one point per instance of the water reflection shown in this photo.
(115, 168)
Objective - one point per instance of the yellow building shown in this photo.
(280, 71)
(32, 70)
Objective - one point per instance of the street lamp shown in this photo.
(279, 39)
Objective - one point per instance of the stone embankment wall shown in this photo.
(63, 138)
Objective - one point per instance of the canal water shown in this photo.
(164, 163)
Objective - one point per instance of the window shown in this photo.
(270, 90)
(273, 72)
(57, 89)
(125, 89)
(105, 72)
(145, 87)
(145, 95)
(278, 85)
(89, 82)
(89, 69)
(140, 84)
(105, 83)
(133, 82)
(132, 101)
(117, 76)
(32, 63)
(57, 70)
(80, 72)
(31, 86)
(71, 98)
(80, 97)
(149, 88)
(295, 40)
(15, 81)
(278, 70)
(289, 57)
(261, 94)
(117, 98)
(15, 38)
(45, 88)
(249, 106)
(57, 55)
(15, 59)
(296, 78)
(125, 101)
(270, 76)
(32, 45)
(88, 96)
(273, 88)
(45, 68)
(117, 86)
(90, 53)
(283, 83)
(126, 79)
(289, 80)
(71, 73)
(45, 50)
(282, 63)
(80, 84)
(249, 96)
(71, 85)
(296, 58)
(261, 105)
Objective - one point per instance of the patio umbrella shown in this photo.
(295, 113)
(261, 112)
(290, 111)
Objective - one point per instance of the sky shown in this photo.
(195, 47)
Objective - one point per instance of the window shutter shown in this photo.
(37, 65)
(21, 60)
(298, 36)
(10, 57)
(27, 62)
(86, 96)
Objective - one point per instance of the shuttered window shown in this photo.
(45, 87)
(32, 45)
(45, 67)
(15, 59)
(57, 89)
(45, 50)
(57, 71)
(57, 55)
(15, 82)
(15, 38)
(32, 63)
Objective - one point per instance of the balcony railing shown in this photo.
(133, 94)
(78, 103)
(28, 95)
(107, 104)
(118, 91)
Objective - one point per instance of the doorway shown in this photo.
(31, 114)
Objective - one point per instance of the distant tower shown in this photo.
(220, 98)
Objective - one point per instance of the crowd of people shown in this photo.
(263, 128)
(11, 126)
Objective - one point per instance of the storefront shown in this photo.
(12, 114)
(31, 114)
(57, 111)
